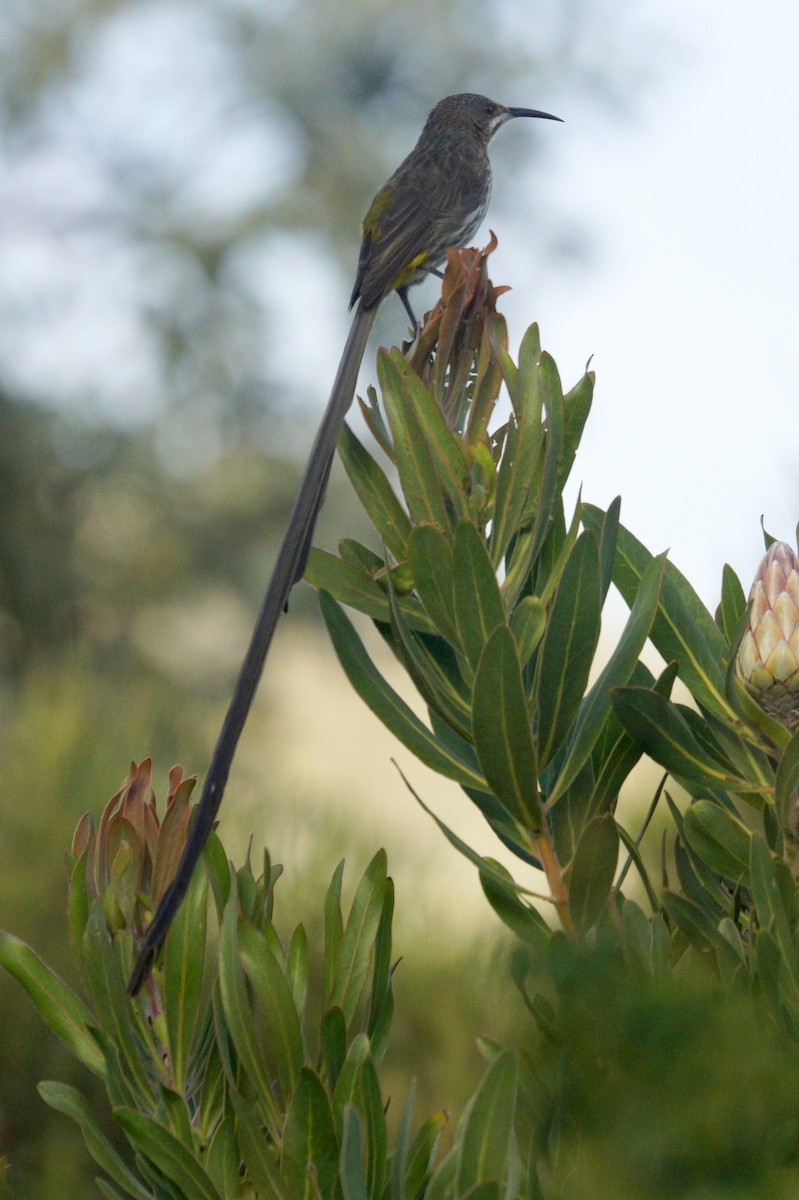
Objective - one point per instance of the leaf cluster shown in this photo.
(662, 1052)
(220, 1080)
(491, 599)
(237, 1073)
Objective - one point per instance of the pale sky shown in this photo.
(692, 309)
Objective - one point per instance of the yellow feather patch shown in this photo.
(379, 205)
(410, 271)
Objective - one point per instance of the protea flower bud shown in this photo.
(128, 862)
(768, 657)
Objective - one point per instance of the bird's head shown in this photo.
(476, 115)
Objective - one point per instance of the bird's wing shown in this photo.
(413, 219)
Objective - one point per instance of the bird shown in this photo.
(436, 198)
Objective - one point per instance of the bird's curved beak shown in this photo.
(533, 112)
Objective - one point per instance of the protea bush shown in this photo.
(654, 958)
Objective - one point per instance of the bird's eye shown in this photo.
(490, 109)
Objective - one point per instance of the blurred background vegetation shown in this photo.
(181, 197)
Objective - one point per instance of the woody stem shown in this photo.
(545, 850)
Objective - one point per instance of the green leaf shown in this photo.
(218, 871)
(766, 894)
(348, 1085)
(211, 1069)
(80, 896)
(663, 733)
(120, 1017)
(380, 1027)
(693, 921)
(377, 1136)
(68, 1100)
(647, 937)
(386, 704)
(400, 1155)
(309, 1140)
(443, 1178)
(614, 756)
(485, 1136)
(416, 462)
(430, 558)
(498, 341)
(718, 838)
(572, 813)
(592, 870)
(174, 1113)
(57, 1005)
(501, 729)
(698, 882)
(683, 630)
(528, 623)
(422, 1153)
(767, 958)
(743, 702)
(487, 383)
(749, 761)
(108, 1190)
(545, 493)
(432, 677)
(297, 967)
(222, 1160)
(259, 1158)
(352, 586)
(360, 556)
(482, 1191)
(334, 928)
(450, 456)
(567, 649)
(529, 356)
(615, 753)
(353, 1174)
(182, 973)
(786, 787)
(555, 552)
(515, 474)
(373, 417)
(334, 1043)
(607, 546)
(120, 1093)
(169, 1156)
(279, 1018)
(525, 921)
(375, 493)
(477, 600)
(549, 490)
(577, 406)
(631, 846)
(359, 937)
(380, 1000)
(237, 1007)
(733, 602)
(595, 708)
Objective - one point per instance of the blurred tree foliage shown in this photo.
(183, 185)
(176, 171)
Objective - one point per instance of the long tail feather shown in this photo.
(289, 567)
